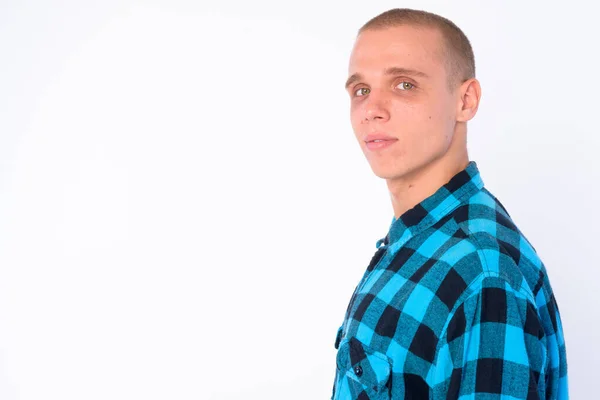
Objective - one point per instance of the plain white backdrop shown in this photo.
(184, 210)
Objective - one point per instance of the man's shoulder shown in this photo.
(490, 244)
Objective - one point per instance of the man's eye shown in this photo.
(405, 85)
(358, 92)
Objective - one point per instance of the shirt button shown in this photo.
(358, 370)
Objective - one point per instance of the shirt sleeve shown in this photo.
(492, 347)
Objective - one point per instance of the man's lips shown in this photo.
(378, 137)
(378, 144)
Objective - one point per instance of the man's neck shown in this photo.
(406, 192)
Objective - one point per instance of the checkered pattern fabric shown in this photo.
(454, 304)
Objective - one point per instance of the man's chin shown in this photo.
(388, 173)
(382, 173)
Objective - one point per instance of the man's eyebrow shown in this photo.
(388, 71)
(404, 71)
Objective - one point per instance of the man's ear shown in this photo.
(468, 103)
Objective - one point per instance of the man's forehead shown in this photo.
(383, 49)
(402, 41)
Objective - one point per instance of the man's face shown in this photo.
(401, 90)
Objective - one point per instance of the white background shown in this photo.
(184, 210)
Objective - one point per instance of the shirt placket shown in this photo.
(376, 259)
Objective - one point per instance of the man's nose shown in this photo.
(375, 109)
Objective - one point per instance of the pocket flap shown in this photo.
(362, 364)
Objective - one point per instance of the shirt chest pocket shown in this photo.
(362, 373)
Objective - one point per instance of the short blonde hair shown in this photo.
(457, 51)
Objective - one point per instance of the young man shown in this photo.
(455, 303)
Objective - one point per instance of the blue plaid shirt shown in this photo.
(455, 304)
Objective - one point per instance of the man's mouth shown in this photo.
(378, 144)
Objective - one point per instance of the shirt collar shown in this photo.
(447, 198)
